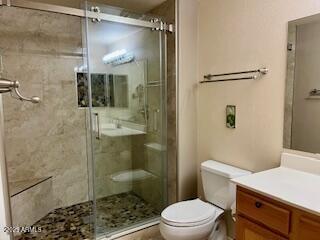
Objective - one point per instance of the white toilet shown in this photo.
(199, 220)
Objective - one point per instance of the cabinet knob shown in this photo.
(258, 204)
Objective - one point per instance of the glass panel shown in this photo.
(46, 143)
(129, 123)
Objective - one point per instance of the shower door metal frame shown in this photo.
(158, 25)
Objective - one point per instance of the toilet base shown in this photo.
(219, 231)
(213, 230)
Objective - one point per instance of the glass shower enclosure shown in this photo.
(127, 101)
(89, 160)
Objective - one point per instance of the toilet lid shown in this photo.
(188, 213)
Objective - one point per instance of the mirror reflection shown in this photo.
(122, 86)
(302, 107)
(117, 91)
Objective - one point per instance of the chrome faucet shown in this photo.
(117, 122)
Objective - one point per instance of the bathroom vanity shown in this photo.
(260, 217)
(281, 203)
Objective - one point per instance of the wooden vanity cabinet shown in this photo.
(262, 218)
(307, 228)
(248, 230)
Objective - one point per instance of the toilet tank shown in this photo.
(217, 186)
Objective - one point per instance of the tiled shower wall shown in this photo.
(46, 139)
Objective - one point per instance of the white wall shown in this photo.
(242, 35)
(187, 122)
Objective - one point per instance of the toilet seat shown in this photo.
(190, 213)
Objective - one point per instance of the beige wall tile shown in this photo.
(31, 205)
(46, 139)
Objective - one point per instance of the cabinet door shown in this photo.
(308, 229)
(247, 230)
(267, 213)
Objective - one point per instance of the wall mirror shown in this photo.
(302, 104)
(117, 91)
(107, 90)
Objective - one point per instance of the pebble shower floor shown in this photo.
(74, 222)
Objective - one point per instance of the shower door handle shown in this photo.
(98, 125)
(155, 119)
(1, 63)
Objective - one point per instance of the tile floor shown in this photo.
(74, 222)
(121, 211)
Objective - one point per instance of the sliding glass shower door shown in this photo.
(127, 100)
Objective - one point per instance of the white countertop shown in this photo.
(293, 187)
(121, 132)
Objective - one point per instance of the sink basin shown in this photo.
(109, 126)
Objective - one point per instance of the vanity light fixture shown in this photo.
(118, 57)
(111, 57)
(82, 68)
